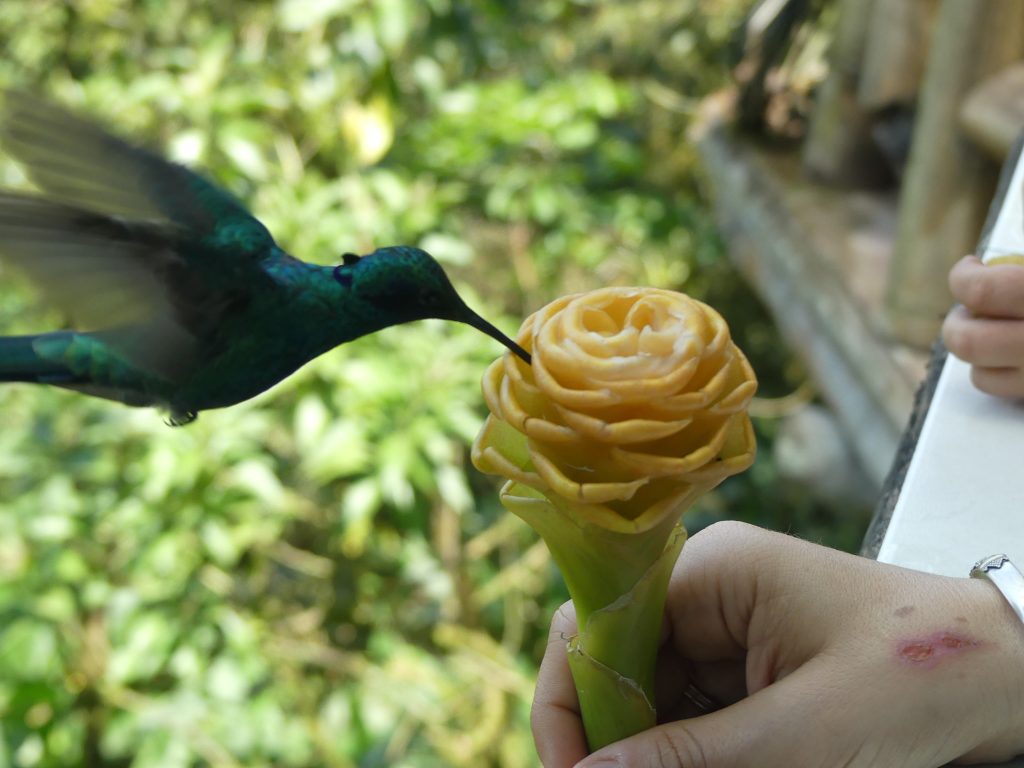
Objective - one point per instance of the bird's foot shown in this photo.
(181, 418)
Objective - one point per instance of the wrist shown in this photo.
(961, 651)
(999, 695)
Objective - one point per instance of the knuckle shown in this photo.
(676, 747)
(962, 272)
(958, 339)
(730, 532)
(720, 541)
(977, 292)
(764, 553)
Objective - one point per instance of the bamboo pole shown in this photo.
(896, 51)
(839, 148)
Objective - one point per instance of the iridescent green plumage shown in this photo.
(180, 297)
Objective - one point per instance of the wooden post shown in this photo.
(896, 51)
(948, 181)
(839, 148)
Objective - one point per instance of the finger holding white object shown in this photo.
(1004, 242)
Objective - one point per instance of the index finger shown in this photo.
(993, 290)
(555, 716)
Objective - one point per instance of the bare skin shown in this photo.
(986, 328)
(817, 658)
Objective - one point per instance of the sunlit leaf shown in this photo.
(225, 680)
(218, 542)
(257, 478)
(369, 129)
(143, 649)
(359, 503)
(28, 649)
(451, 483)
(298, 15)
(341, 451)
(447, 249)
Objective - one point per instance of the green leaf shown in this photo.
(300, 15)
(142, 648)
(218, 541)
(28, 650)
(226, 680)
(453, 488)
(359, 504)
(447, 249)
(256, 477)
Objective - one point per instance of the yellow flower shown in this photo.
(634, 405)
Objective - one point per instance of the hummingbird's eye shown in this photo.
(349, 258)
(343, 275)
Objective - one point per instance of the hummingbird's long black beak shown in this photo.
(473, 319)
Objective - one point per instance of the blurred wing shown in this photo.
(78, 163)
(127, 281)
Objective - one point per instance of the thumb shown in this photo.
(773, 728)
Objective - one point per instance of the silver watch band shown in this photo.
(1006, 576)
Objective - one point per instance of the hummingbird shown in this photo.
(179, 297)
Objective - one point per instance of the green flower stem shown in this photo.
(618, 583)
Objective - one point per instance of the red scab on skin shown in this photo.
(928, 651)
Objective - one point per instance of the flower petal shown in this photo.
(620, 432)
(587, 493)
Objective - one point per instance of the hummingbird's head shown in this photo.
(408, 284)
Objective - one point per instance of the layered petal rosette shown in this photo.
(635, 403)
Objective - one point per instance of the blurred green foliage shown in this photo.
(317, 577)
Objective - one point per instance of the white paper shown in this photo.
(963, 495)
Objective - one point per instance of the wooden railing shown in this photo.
(849, 236)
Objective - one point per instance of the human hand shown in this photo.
(987, 328)
(819, 658)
